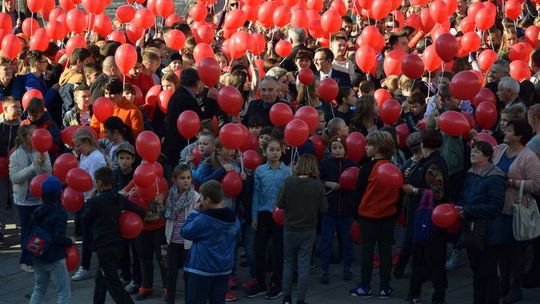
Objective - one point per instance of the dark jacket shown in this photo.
(182, 100)
(96, 89)
(261, 109)
(102, 214)
(53, 219)
(121, 180)
(483, 198)
(342, 79)
(8, 132)
(340, 202)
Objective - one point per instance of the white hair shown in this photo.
(509, 83)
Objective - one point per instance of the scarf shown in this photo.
(177, 202)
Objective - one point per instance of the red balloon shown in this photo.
(280, 114)
(131, 224)
(412, 66)
(251, 142)
(144, 175)
(390, 111)
(444, 215)
(520, 70)
(486, 114)
(55, 30)
(76, 20)
(467, 24)
(148, 146)
(29, 26)
(447, 47)
(283, 48)
(484, 94)
(230, 100)
(365, 58)
(102, 25)
(487, 138)
(299, 19)
(164, 8)
(380, 9)
(125, 58)
(486, 59)
(125, 13)
(431, 59)
(306, 76)
(349, 178)
(427, 21)
(470, 42)
(328, 89)
(356, 232)
(72, 200)
(454, 123)
(232, 183)
(356, 146)
(103, 108)
(188, 124)
(392, 62)
(173, 19)
(209, 71)
(11, 46)
(63, 164)
(484, 19)
(251, 12)
(72, 258)
(231, 136)
(381, 95)
(67, 135)
(74, 42)
(66, 4)
(309, 115)
(201, 51)
(134, 32)
(331, 21)
(296, 132)
(512, 9)
(318, 145)
(35, 184)
(251, 159)
(35, 5)
(389, 175)
(152, 96)
(163, 100)
(278, 215)
(144, 18)
(520, 51)
(402, 132)
(531, 35)
(175, 39)
(41, 140)
(40, 40)
(438, 11)
(465, 85)
(282, 16)
(198, 12)
(79, 180)
(266, 13)
(146, 193)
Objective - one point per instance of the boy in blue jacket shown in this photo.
(213, 230)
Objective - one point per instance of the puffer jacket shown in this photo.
(483, 198)
(22, 169)
(214, 233)
(53, 219)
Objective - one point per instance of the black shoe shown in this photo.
(325, 278)
(255, 291)
(274, 292)
(287, 300)
(513, 296)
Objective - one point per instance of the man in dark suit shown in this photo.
(261, 107)
(298, 41)
(323, 61)
(183, 99)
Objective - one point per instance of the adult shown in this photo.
(269, 89)
(323, 59)
(284, 80)
(522, 167)
(399, 41)
(73, 76)
(183, 99)
(365, 118)
(297, 36)
(122, 108)
(341, 63)
(535, 79)
(508, 92)
(109, 70)
(24, 164)
(498, 70)
(483, 200)
(428, 259)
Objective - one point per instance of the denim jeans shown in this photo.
(206, 289)
(59, 274)
(248, 241)
(297, 248)
(329, 226)
(25, 215)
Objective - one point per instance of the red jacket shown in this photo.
(144, 82)
(378, 201)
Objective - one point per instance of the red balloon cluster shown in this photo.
(63, 164)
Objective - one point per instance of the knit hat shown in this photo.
(51, 190)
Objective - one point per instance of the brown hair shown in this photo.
(22, 132)
(105, 175)
(171, 76)
(307, 165)
(212, 190)
(383, 142)
(515, 112)
(178, 170)
(84, 136)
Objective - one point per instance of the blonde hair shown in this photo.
(307, 165)
(84, 136)
(383, 142)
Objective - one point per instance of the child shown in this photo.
(377, 209)
(80, 114)
(91, 72)
(52, 218)
(40, 118)
(102, 215)
(204, 144)
(303, 199)
(268, 179)
(340, 209)
(182, 198)
(116, 133)
(346, 101)
(213, 229)
(151, 63)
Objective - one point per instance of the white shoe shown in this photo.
(132, 287)
(455, 260)
(27, 268)
(81, 274)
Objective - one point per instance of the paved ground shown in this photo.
(16, 283)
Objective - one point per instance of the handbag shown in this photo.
(423, 225)
(473, 235)
(526, 218)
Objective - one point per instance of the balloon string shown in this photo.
(429, 83)
(241, 161)
(332, 108)
(31, 29)
(440, 79)
(292, 155)
(124, 82)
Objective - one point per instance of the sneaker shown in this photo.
(386, 291)
(230, 297)
(132, 287)
(325, 278)
(361, 290)
(81, 274)
(249, 283)
(410, 300)
(274, 292)
(143, 294)
(233, 282)
(255, 291)
(455, 260)
(287, 300)
(347, 274)
(27, 268)
(513, 296)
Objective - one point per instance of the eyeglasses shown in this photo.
(42, 61)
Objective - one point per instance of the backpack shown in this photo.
(423, 226)
(38, 240)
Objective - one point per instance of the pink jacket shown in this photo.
(526, 167)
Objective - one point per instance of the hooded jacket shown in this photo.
(214, 233)
(22, 170)
(71, 76)
(8, 132)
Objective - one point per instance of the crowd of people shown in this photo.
(279, 127)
